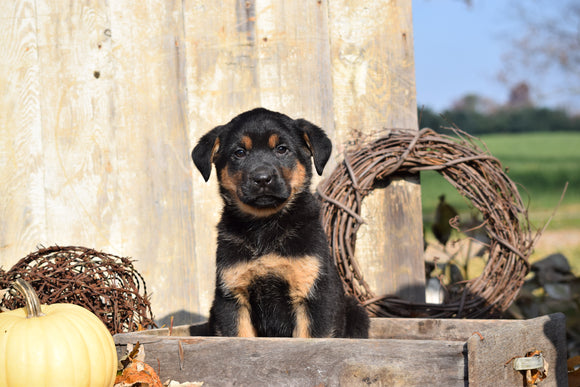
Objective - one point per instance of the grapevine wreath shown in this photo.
(107, 285)
(478, 176)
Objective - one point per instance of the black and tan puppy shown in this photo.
(275, 275)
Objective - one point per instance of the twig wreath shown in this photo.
(476, 175)
(107, 285)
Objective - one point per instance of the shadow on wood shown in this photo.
(181, 317)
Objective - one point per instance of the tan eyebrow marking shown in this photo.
(247, 142)
(273, 141)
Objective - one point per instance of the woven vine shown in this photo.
(107, 285)
(465, 163)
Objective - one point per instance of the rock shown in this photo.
(553, 269)
(558, 291)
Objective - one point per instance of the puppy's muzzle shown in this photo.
(263, 177)
(264, 188)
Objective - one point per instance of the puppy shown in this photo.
(275, 275)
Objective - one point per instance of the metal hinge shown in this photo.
(534, 367)
(535, 362)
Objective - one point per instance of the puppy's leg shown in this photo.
(357, 320)
(302, 322)
(245, 327)
(230, 317)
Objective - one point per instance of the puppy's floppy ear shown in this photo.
(318, 143)
(204, 152)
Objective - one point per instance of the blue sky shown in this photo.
(459, 50)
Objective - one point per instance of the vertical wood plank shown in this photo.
(22, 211)
(294, 59)
(76, 110)
(154, 172)
(374, 88)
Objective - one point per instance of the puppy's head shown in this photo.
(263, 159)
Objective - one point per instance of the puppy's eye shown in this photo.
(281, 149)
(240, 153)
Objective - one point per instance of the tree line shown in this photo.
(506, 119)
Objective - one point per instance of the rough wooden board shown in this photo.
(374, 88)
(404, 272)
(76, 122)
(21, 154)
(490, 359)
(220, 83)
(304, 362)
(400, 328)
(199, 329)
(442, 329)
(154, 217)
(97, 152)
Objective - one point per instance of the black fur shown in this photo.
(270, 223)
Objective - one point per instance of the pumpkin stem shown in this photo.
(32, 306)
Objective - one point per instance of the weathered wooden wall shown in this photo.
(102, 102)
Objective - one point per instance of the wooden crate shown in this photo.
(399, 352)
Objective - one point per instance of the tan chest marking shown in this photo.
(299, 273)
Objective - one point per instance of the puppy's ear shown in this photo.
(204, 152)
(318, 143)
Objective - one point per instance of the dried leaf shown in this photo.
(535, 376)
(136, 351)
(139, 374)
(574, 371)
(574, 364)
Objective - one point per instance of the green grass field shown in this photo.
(540, 163)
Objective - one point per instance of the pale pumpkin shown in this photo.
(54, 345)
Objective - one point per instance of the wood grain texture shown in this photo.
(374, 88)
(491, 359)
(151, 133)
(76, 130)
(107, 144)
(218, 361)
(22, 197)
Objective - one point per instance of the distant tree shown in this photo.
(520, 96)
(475, 103)
(470, 121)
(547, 43)
(429, 119)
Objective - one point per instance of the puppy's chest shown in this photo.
(259, 276)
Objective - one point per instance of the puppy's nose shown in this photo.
(262, 177)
